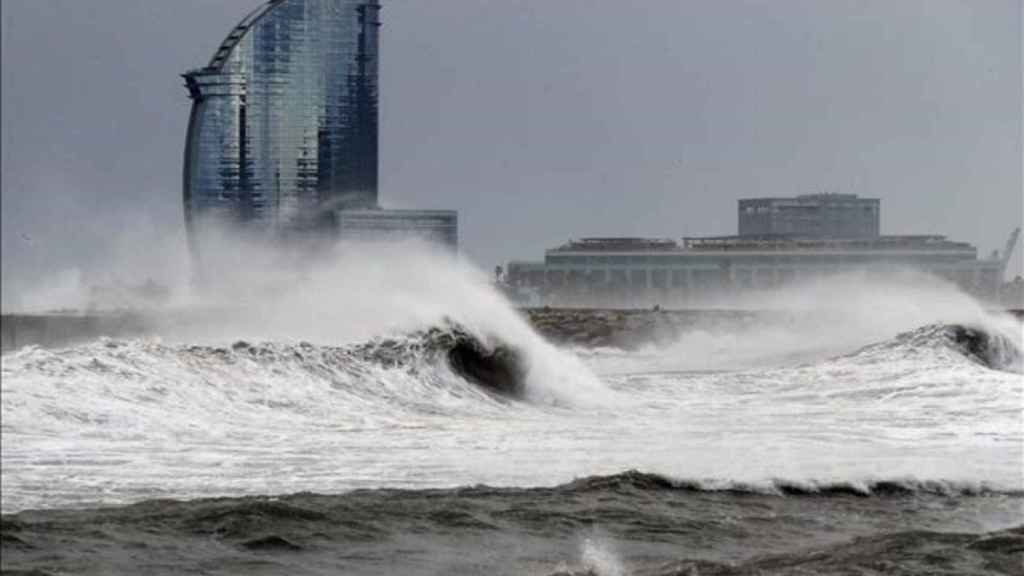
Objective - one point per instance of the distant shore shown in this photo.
(574, 326)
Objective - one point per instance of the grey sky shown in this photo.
(542, 120)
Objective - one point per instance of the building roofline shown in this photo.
(398, 211)
(796, 238)
(238, 32)
(227, 46)
(727, 244)
(822, 196)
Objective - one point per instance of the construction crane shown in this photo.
(1008, 251)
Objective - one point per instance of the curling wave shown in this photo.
(636, 481)
(984, 346)
(410, 370)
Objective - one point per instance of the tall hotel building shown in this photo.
(282, 135)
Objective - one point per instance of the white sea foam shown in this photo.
(120, 421)
(113, 421)
(599, 557)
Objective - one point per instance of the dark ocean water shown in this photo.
(630, 523)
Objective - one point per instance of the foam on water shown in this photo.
(120, 421)
(193, 415)
(813, 321)
(599, 558)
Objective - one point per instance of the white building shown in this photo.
(636, 271)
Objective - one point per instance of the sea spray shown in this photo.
(261, 389)
(599, 558)
(809, 322)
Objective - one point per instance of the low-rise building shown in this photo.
(631, 271)
(435, 226)
(791, 244)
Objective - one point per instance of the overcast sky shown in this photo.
(542, 120)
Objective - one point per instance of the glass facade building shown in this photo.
(283, 128)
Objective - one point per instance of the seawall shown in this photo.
(575, 326)
(629, 328)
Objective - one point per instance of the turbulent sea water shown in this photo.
(733, 452)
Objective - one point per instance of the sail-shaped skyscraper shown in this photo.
(283, 128)
(282, 137)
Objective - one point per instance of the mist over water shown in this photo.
(816, 320)
(277, 375)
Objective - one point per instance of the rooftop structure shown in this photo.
(925, 243)
(928, 243)
(615, 244)
(810, 215)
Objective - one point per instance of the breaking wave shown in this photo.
(988, 346)
(449, 405)
(636, 481)
(426, 370)
(434, 444)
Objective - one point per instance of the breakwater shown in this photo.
(628, 328)
(589, 327)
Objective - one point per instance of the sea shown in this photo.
(861, 430)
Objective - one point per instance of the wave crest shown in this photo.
(636, 481)
(986, 346)
(408, 368)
